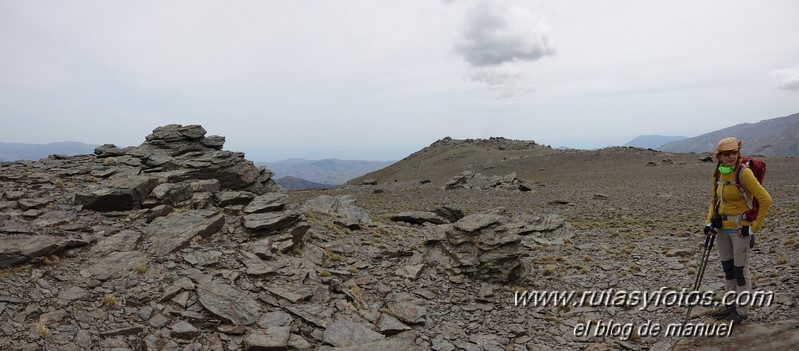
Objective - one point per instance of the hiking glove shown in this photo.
(745, 230)
(709, 229)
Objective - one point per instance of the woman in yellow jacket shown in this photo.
(735, 237)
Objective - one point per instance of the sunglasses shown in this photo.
(729, 153)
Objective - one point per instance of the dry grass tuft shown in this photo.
(42, 329)
(141, 269)
(110, 301)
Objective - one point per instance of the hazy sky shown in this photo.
(379, 80)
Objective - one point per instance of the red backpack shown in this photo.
(759, 169)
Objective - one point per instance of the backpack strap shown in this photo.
(716, 198)
(740, 185)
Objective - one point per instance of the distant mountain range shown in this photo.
(771, 137)
(294, 183)
(325, 172)
(653, 141)
(14, 152)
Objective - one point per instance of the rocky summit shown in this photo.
(177, 244)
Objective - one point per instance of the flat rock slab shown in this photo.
(268, 203)
(389, 325)
(475, 222)
(344, 205)
(229, 303)
(347, 333)
(54, 218)
(272, 338)
(176, 230)
(15, 249)
(407, 307)
(117, 194)
(117, 264)
(400, 342)
(315, 314)
(123, 241)
(270, 221)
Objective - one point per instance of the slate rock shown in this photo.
(109, 150)
(401, 342)
(229, 303)
(407, 308)
(419, 217)
(117, 264)
(483, 245)
(125, 240)
(184, 330)
(54, 218)
(72, 294)
(28, 204)
(449, 212)
(275, 319)
(345, 205)
(270, 221)
(172, 193)
(16, 249)
(315, 314)
(267, 203)
(117, 194)
(227, 198)
(347, 333)
(272, 338)
(176, 132)
(388, 325)
(176, 230)
(214, 141)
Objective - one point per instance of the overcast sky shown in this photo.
(379, 80)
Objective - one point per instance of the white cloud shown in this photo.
(787, 78)
(497, 37)
(505, 80)
(496, 32)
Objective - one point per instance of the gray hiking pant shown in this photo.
(734, 254)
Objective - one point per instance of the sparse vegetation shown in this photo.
(51, 260)
(142, 268)
(41, 329)
(109, 301)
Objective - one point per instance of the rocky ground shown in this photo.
(179, 245)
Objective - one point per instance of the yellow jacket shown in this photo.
(733, 202)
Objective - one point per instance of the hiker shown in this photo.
(739, 206)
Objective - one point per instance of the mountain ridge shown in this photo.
(653, 141)
(770, 137)
(327, 171)
(24, 151)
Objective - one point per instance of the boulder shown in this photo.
(117, 194)
(483, 245)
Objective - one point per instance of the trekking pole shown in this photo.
(701, 272)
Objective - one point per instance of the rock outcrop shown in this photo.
(179, 244)
(472, 180)
(486, 246)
